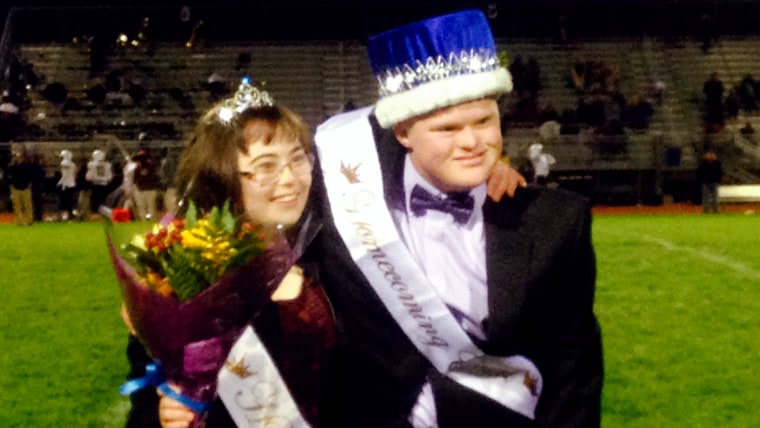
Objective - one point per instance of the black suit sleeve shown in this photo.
(566, 336)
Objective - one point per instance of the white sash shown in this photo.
(354, 185)
(252, 389)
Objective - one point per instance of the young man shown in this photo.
(453, 310)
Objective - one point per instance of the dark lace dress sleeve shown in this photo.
(308, 340)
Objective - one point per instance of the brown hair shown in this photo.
(208, 173)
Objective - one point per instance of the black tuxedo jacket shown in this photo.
(541, 280)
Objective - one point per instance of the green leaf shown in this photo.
(228, 220)
(144, 259)
(214, 216)
(149, 260)
(191, 217)
(184, 279)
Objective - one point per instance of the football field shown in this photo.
(678, 299)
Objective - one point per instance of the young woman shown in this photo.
(257, 155)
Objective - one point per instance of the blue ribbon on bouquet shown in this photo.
(154, 377)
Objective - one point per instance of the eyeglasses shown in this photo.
(267, 172)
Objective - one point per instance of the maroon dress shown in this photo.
(308, 338)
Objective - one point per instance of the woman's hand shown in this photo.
(127, 320)
(504, 180)
(172, 413)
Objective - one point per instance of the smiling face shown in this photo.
(281, 199)
(277, 193)
(454, 148)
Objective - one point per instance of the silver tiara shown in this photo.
(246, 96)
(400, 79)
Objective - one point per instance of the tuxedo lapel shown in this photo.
(508, 255)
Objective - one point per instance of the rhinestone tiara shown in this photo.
(246, 96)
(401, 79)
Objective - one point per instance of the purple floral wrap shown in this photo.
(191, 339)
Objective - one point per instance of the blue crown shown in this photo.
(435, 63)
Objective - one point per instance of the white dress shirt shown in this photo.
(452, 256)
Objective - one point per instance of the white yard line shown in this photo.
(706, 255)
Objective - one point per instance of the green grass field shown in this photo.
(678, 300)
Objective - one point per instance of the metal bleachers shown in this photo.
(318, 78)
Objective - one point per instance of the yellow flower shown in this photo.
(139, 241)
(195, 238)
(219, 252)
(182, 262)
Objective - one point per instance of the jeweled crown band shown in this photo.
(435, 63)
(401, 79)
(246, 96)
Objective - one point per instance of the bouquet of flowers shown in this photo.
(190, 286)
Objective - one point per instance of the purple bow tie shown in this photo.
(459, 205)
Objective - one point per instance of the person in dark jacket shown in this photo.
(452, 309)
(709, 175)
(20, 175)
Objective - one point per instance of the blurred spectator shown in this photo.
(167, 171)
(13, 70)
(126, 193)
(746, 91)
(19, 175)
(117, 85)
(713, 90)
(99, 175)
(136, 92)
(10, 119)
(594, 77)
(20, 74)
(640, 113)
(549, 131)
(66, 185)
(541, 162)
(147, 184)
(56, 93)
(709, 175)
(97, 94)
(517, 69)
